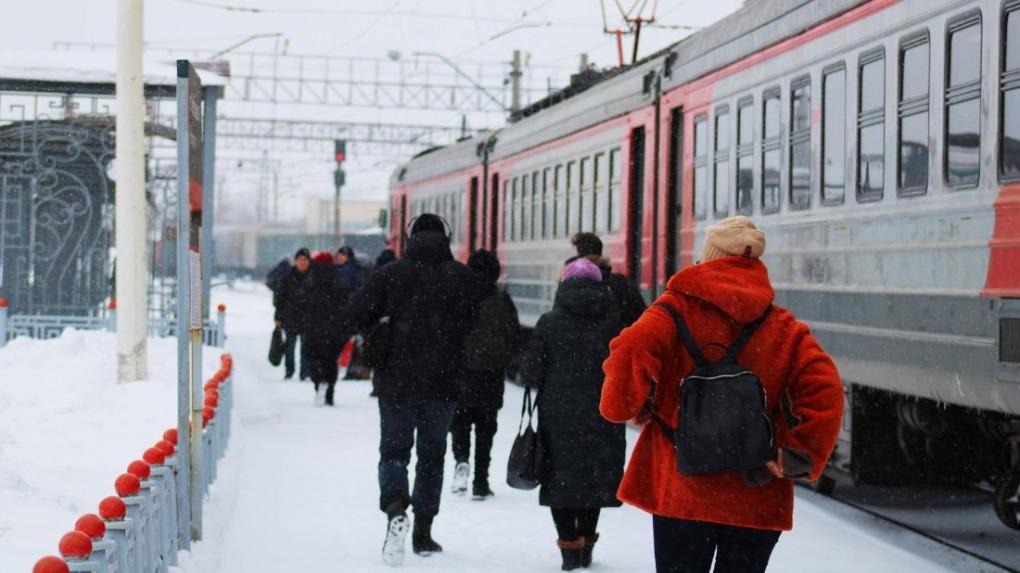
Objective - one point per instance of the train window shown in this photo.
(507, 211)
(963, 102)
(549, 212)
(721, 180)
(700, 166)
(536, 206)
(584, 182)
(517, 222)
(745, 156)
(834, 135)
(912, 166)
(601, 193)
(800, 143)
(560, 187)
(871, 126)
(573, 199)
(614, 190)
(1009, 145)
(771, 150)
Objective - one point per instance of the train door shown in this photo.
(473, 216)
(636, 201)
(674, 191)
(494, 212)
(402, 230)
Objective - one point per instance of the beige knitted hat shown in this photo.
(733, 237)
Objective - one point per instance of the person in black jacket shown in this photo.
(326, 296)
(626, 294)
(488, 349)
(429, 300)
(276, 274)
(584, 454)
(291, 300)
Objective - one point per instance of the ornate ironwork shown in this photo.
(56, 215)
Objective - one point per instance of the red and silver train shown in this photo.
(876, 142)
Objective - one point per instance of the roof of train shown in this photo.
(753, 27)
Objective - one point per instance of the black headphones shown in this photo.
(448, 231)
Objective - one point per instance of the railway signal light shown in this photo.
(340, 150)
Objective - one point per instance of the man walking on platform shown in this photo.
(429, 300)
(291, 301)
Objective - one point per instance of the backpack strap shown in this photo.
(684, 334)
(745, 336)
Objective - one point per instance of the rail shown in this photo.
(139, 529)
(51, 326)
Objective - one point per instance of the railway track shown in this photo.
(959, 519)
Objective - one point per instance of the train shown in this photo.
(876, 142)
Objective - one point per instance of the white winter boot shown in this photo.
(461, 474)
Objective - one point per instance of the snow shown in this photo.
(67, 430)
(87, 67)
(297, 489)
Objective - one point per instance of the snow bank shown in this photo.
(67, 429)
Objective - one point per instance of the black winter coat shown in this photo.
(430, 300)
(276, 274)
(627, 296)
(291, 300)
(326, 296)
(584, 453)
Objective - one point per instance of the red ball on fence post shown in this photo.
(154, 456)
(207, 415)
(50, 564)
(92, 525)
(212, 384)
(127, 485)
(166, 447)
(75, 545)
(171, 436)
(221, 308)
(212, 399)
(4, 304)
(139, 469)
(112, 508)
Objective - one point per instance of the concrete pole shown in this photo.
(132, 315)
(515, 83)
(209, 98)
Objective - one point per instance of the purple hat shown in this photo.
(582, 269)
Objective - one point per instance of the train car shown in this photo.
(876, 142)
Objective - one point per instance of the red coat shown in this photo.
(716, 299)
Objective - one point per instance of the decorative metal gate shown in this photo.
(56, 216)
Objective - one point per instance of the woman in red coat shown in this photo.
(735, 516)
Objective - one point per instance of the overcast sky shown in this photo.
(550, 32)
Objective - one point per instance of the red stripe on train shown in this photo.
(1004, 248)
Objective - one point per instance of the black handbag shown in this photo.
(527, 456)
(375, 351)
(276, 347)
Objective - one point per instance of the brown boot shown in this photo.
(589, 547)
(572, 552)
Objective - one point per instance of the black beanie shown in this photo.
(428, 222)
(303, 252)
(587, 244)
(486, 263)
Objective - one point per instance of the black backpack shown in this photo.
(490, 343)
(723, 422)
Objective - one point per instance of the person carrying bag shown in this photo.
(716, 362)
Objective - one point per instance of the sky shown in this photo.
(551, 33)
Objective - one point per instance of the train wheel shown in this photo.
(1007, 505)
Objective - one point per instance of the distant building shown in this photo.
(355, 215)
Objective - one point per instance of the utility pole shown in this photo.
(339, 178)
(584, 63)
(515, 83)
(132, 313)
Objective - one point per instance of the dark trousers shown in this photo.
(399, 419)
(323, 369)
(484, 422)
(574, 523)
(290, 340)
(685, 546)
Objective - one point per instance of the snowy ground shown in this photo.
(297, 490)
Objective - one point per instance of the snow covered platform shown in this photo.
(297, 489)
